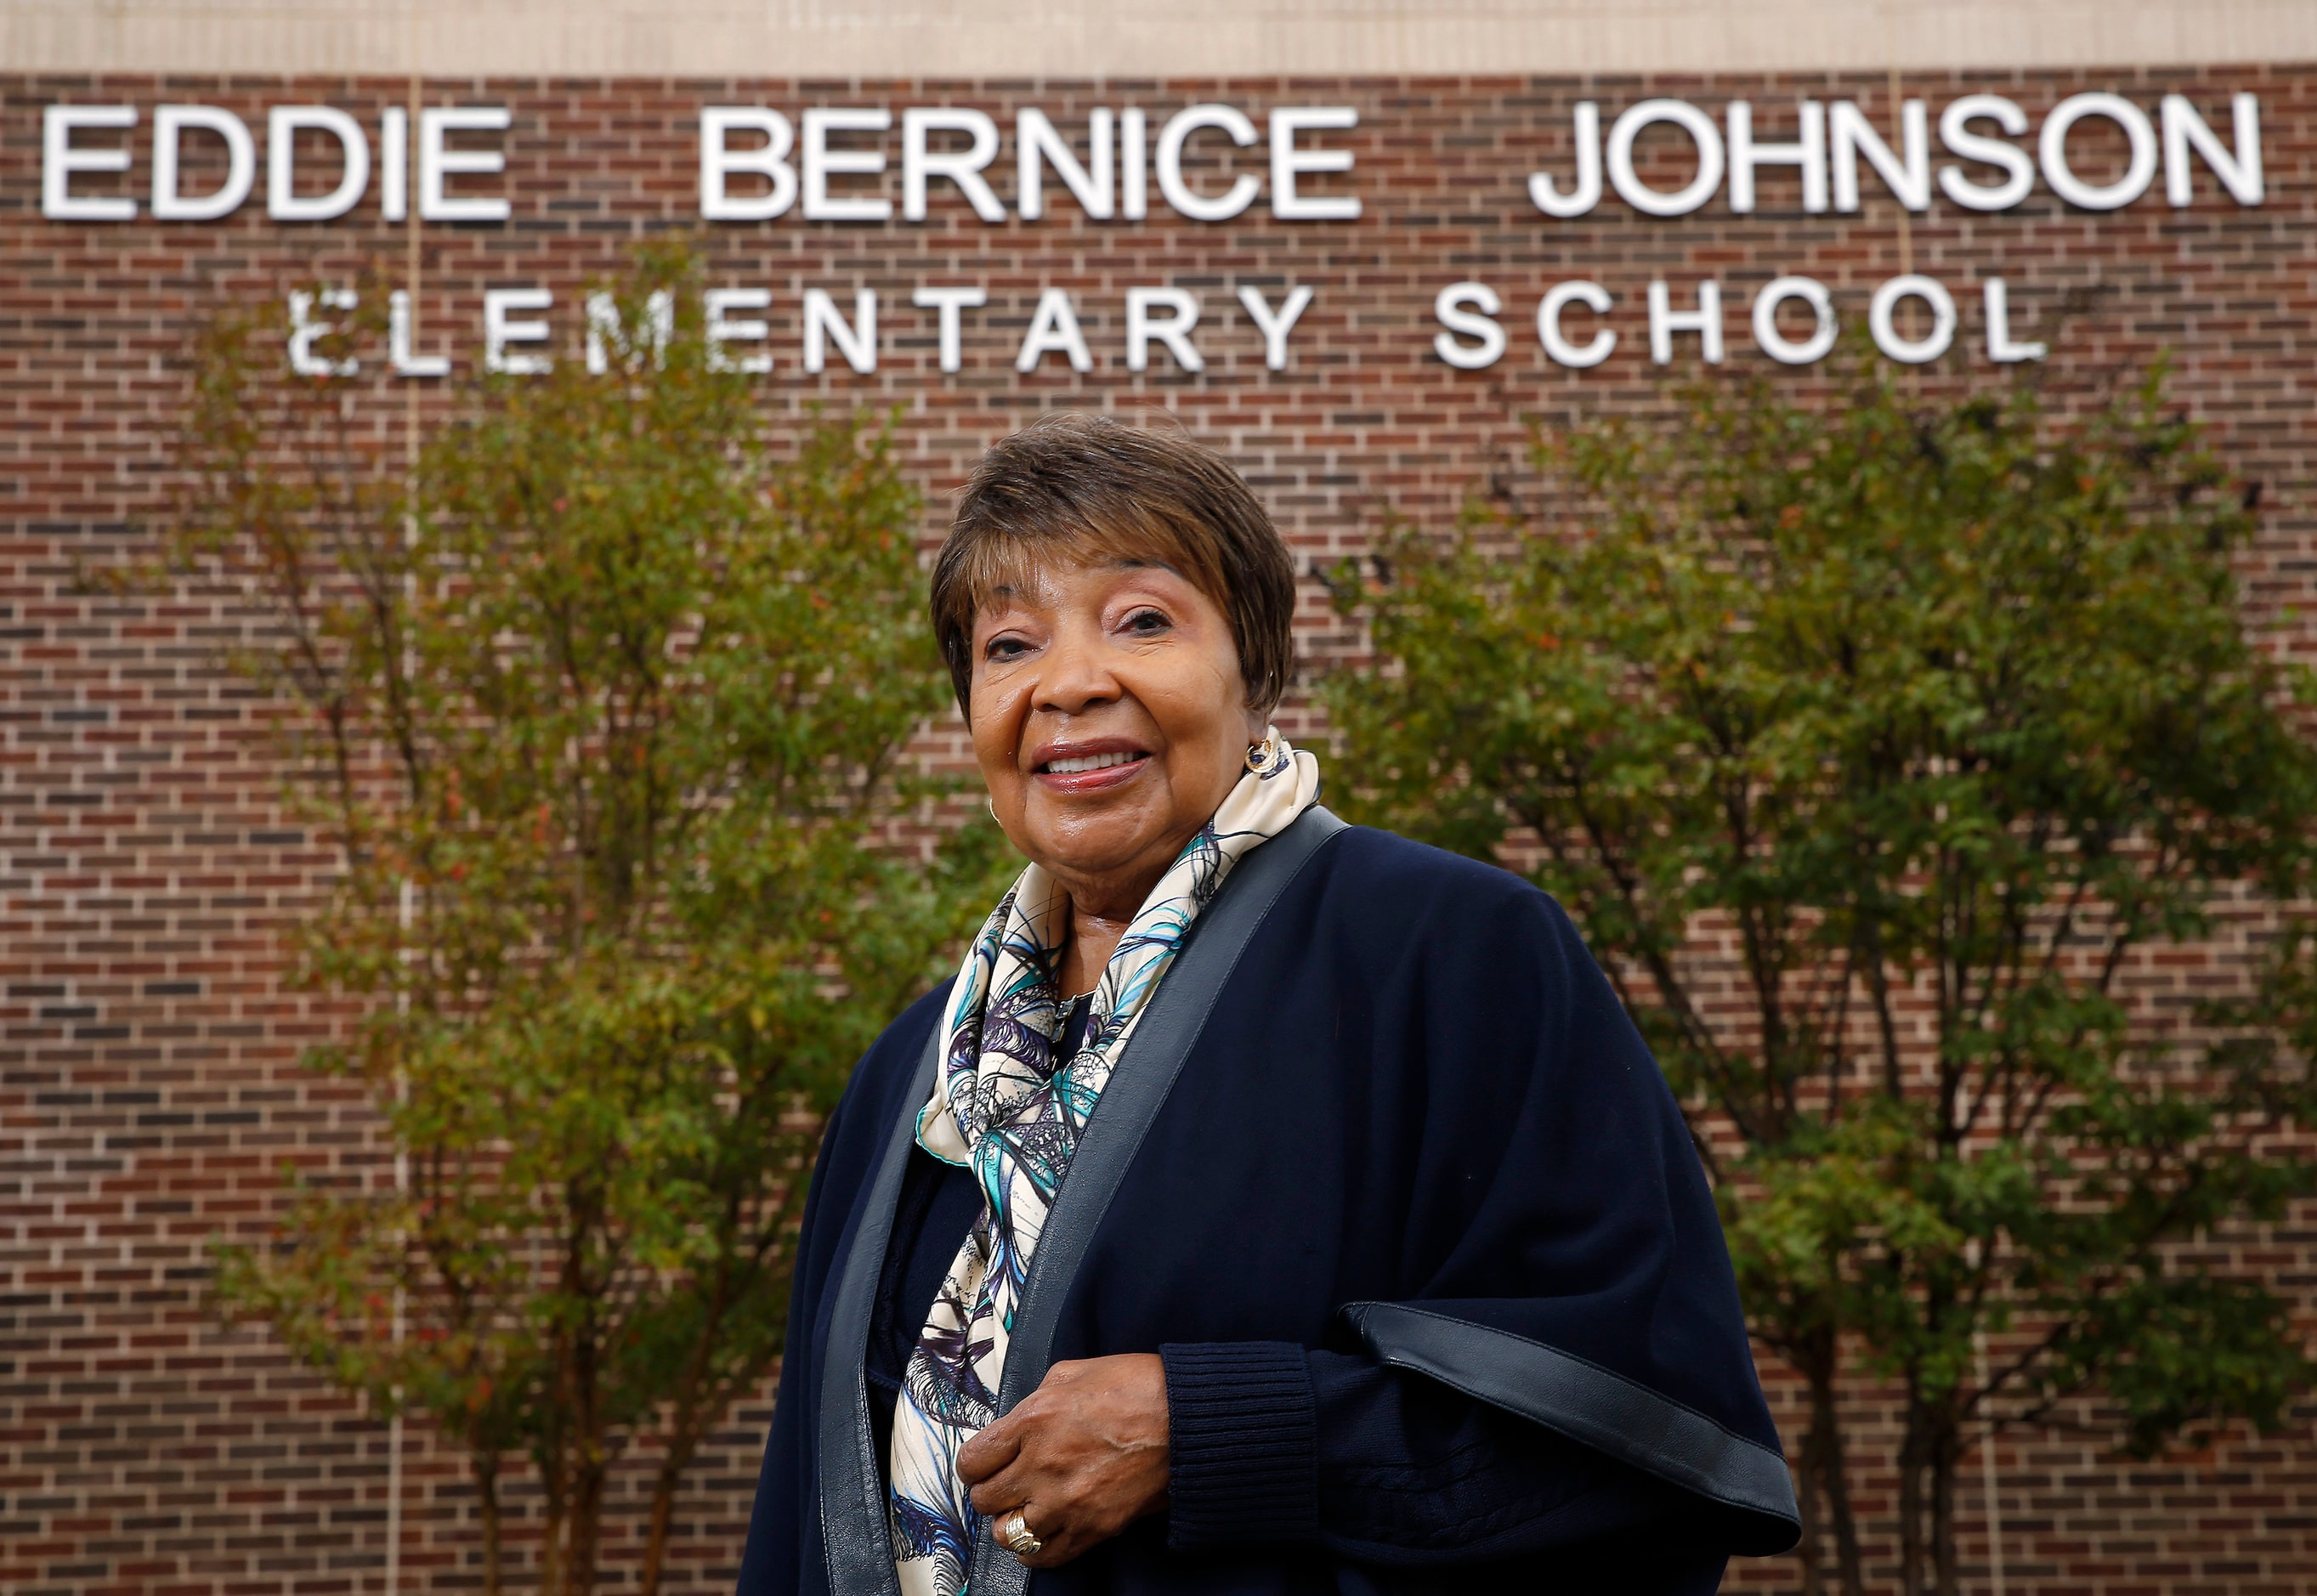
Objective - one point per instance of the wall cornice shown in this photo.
(1133, 39)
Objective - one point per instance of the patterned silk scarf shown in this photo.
(1008, 1109)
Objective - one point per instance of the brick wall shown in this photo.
(148, 1080)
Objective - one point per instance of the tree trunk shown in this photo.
(586, 1525)
(550, 1542)
(698, 1403)
(1946, 1456)
(487, 1499)
(584, 1509)
(663, 1510)
(1914, 1459)
(1929, 1460)
(1828, 1471)
(1812, 1552)
(575, 1493)
(574, 1475)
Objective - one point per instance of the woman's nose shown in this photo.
(1077, 677)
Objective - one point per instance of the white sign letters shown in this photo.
(1209, 164)
(1829, 140)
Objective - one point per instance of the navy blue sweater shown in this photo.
(1275, 1443)
(1416, 1132)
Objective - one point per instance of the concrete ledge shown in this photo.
(1133, 39)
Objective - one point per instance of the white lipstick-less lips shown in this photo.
(1090, 767)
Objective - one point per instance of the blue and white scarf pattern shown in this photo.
(1006, 1108)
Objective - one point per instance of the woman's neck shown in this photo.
(1101, 907)
(1091, 938)
(1104, 904)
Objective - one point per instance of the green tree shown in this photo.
(1870, 746)
(606, 704)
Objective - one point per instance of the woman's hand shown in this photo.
(1084, 1456)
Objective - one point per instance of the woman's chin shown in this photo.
(1092, 836)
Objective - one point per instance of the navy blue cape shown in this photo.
(1414, 1125)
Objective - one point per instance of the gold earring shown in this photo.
(1259, 756)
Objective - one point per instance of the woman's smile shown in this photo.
(1093, 764)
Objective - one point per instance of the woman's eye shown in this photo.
(1148, 622)
(1004, 648)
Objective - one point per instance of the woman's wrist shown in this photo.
(1242, 1445)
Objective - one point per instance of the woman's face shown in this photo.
(1110, 718)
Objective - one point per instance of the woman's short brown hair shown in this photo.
(1082, 486)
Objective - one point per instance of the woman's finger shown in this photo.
(1027, 1478)
(992, 1450)
(1000, 1493)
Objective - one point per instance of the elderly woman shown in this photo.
(1269, 1205)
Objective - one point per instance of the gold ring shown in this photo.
(1013, 1529)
